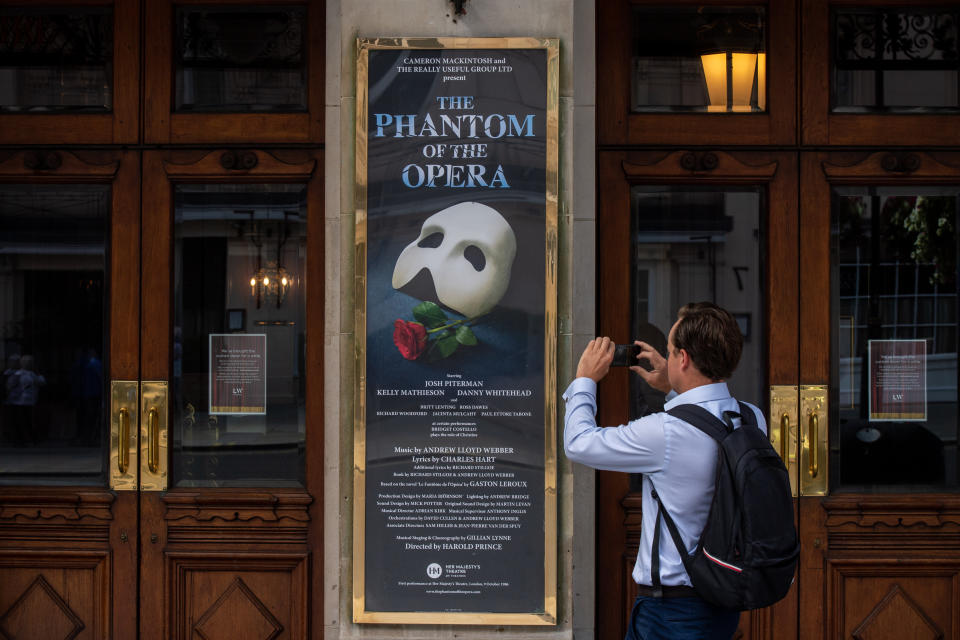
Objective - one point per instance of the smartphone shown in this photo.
(625, 355)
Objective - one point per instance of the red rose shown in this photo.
(410, 338)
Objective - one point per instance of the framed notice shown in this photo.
(898, 380)
(456, 241)
(238, 373)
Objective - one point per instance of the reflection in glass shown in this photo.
(53, 260)
(895, 60)
(231, 59)
(56, 59)
(894, 302)
(238, 337)
(698, 59)
(695, 244)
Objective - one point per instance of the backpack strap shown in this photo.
(747, 416)
(702, 419)
(717, 429)
(677, 541)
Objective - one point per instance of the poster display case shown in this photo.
(456, 252)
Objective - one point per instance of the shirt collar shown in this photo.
(697, 395)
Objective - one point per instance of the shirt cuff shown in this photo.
(581, 385)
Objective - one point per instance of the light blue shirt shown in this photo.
(676, 458)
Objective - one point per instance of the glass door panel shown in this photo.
(239, 335)
(895, 323)
(692, 244)
(53, 315)
(695, 244)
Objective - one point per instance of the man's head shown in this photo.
(707, 337)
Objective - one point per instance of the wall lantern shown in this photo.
(735, 81)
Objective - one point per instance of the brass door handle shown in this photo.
(123, 449)
(153, 435)
(153, 445)
(812, 438)
(784, 434)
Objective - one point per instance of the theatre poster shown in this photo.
(455, 515)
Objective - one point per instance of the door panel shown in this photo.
(878, 555)
(232, 541)
(720, 226)
(68, 552)
(261, 596)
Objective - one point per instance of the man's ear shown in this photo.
(685, 361)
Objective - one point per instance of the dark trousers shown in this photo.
(680, 619)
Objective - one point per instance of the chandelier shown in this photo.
(270, 281)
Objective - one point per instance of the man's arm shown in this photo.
(635, 447)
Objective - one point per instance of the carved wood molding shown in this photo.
(51, 165)
(887, 166)
(241, 163)
(272, 584)
(281, 507)
(40, 504)
(897, 603)
(902, 512)
(682, 165)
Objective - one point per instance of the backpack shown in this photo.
(747, 554)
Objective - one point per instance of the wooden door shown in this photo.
(70, 284)
(233, 283)
(135, 502)
(676, 227)
(879, 518)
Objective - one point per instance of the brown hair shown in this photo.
(711, 337)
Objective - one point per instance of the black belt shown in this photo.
(666, 591)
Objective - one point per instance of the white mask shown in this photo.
(460, 285)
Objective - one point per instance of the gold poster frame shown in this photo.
(549, 614)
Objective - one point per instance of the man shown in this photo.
(677, 459)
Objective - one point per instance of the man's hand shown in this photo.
(596, 359)
(657, 376)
